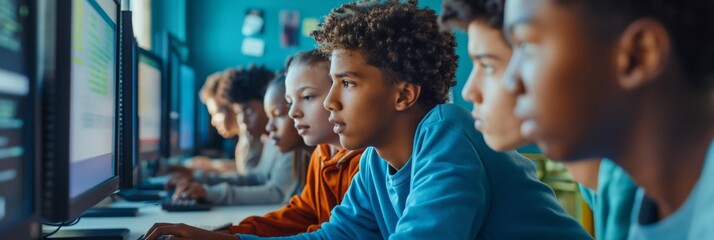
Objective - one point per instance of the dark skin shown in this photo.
(280, 127)
(562, 75)
(369, 110)
(253, 115)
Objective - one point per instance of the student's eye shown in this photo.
(346, 84)
(487, 68)
(528, 49)
(307, 97)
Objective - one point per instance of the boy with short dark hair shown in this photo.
(630, 80)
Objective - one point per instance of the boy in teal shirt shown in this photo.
(630, 80)
(427, 173)
(611, 202)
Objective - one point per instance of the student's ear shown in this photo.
(408, 93)
(642, 53)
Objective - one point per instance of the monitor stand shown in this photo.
(111, 212)
(92, 234)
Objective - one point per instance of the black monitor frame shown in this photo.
(57, 206)
(128, 137)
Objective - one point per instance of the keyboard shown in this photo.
(185, 205)
(204, 227)
(214, 227)
(162, 237)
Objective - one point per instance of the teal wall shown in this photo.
(167, 16)
(214, 37)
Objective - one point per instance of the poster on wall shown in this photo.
(252, 23)
(289, 28)
(253, 47)
(308, 26)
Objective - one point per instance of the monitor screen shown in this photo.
(149, 104)
(187, 108)
(93, 80)
(15, 185)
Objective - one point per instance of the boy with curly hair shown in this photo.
(426, 172)
(243, 90)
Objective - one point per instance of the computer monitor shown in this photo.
(79, 106)
(150, 82)
(187, 111)
(18, 171)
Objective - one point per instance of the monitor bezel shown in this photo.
(128, 138)
(58, 206)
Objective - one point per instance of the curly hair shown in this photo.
(400, 39)
(209, 88)
(459, 13)
(241, 85)
(688, 24)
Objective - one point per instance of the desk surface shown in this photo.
(150, 213)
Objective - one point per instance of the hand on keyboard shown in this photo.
(190, 190)
(184, 231)
(185, 205)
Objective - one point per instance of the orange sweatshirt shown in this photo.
(328, 178)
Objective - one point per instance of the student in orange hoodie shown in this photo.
(331, 167)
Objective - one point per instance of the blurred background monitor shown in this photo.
(18, 163)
